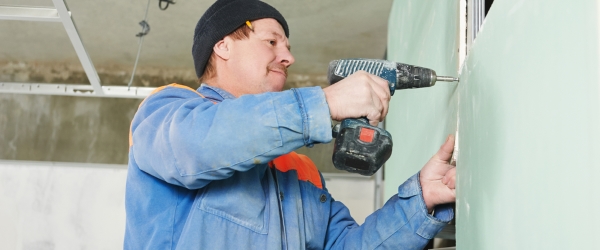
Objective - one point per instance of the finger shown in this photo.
(453, 196)
(374, 122)
(379, 106)
(374, 115)
(445, 152)
(376, 109)
(381, 88)
(450, 178)
(383, 84)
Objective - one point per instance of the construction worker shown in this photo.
(214, 168)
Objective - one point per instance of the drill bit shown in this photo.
(447, 79)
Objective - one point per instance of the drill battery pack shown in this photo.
(359, 147)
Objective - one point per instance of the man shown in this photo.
(214, 168)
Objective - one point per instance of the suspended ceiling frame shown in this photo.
(95, 89)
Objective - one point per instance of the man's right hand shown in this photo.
(359, 95)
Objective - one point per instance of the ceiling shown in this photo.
(320, 31)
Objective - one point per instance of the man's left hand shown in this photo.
(438, 177)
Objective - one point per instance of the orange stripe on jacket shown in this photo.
(306, 169)
(156, 91)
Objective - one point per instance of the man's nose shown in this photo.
(286, 58)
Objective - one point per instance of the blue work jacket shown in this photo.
(204, 174)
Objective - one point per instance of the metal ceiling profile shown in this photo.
(61, 14)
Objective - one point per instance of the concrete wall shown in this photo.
(66, 129)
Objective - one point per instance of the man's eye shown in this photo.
(272, 42)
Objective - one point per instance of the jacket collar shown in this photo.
(214, 93)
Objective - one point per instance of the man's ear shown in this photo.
(221, 48)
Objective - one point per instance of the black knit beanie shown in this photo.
(224, 17)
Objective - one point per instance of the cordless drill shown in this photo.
(362, 148)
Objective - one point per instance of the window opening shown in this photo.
(472, 16)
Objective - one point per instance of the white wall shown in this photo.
(61, 205)
(355, 191)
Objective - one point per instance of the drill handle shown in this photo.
(335, 131)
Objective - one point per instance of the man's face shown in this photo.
(261, 60)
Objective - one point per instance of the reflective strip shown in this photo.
(171, 85)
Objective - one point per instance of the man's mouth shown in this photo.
(279, 69)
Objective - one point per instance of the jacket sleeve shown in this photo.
(187, 140)
(402, 223)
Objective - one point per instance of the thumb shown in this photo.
(445, 152)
